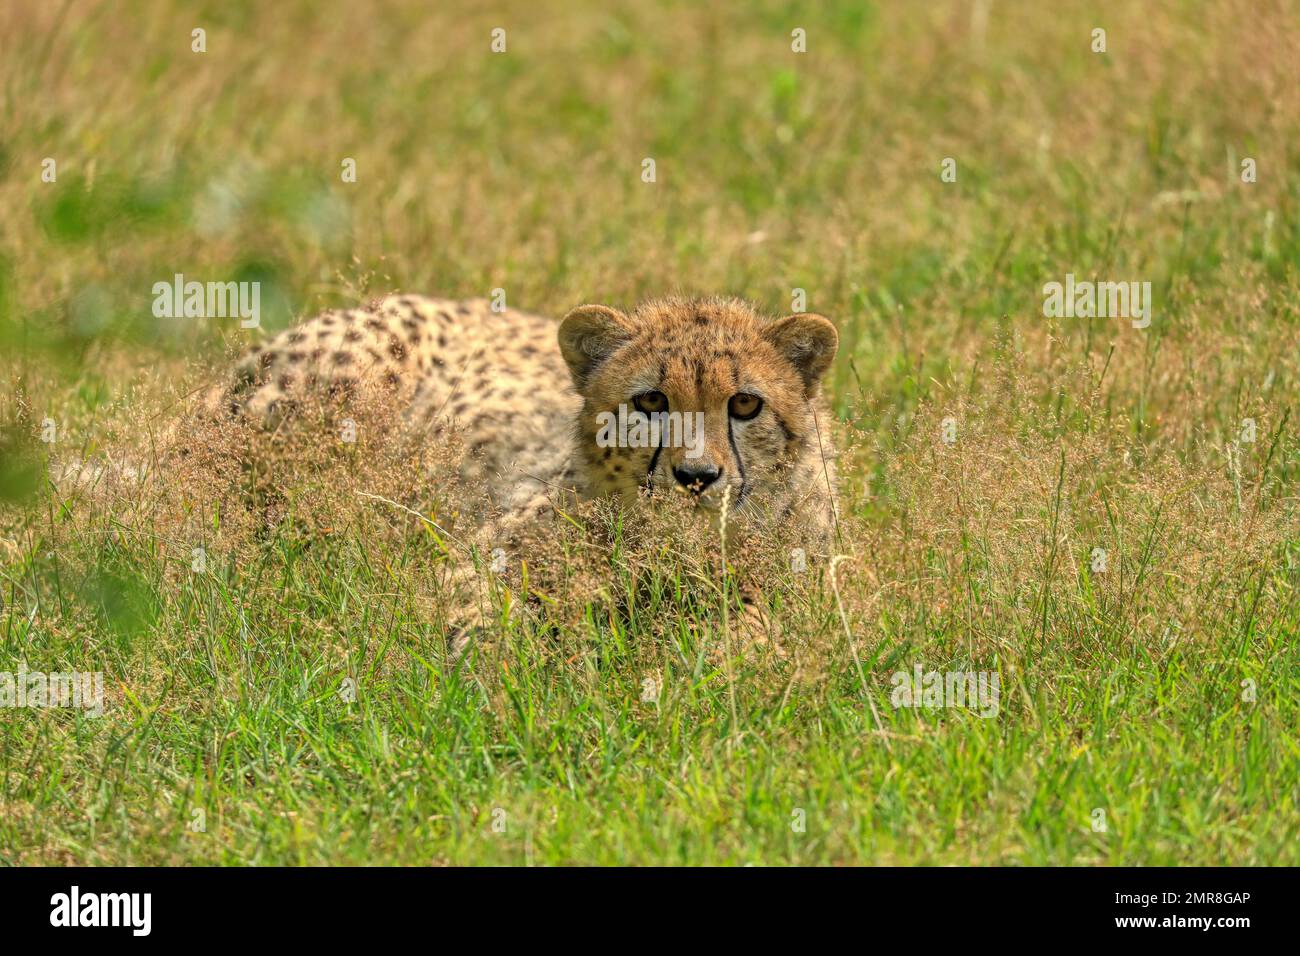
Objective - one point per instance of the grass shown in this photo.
(297, 691)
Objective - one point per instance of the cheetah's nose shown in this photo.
(696, 478)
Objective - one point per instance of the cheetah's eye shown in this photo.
(651, 402)
(744, 406)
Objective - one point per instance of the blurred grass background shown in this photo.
(775, 171)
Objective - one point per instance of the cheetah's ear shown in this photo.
(808, 342)
(588, 335)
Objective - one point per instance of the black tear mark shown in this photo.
(740, 465)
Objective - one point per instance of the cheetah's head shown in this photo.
(731, 391)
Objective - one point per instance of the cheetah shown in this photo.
(530, 400)
(527, 396)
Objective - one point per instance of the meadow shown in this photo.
(1104, 516)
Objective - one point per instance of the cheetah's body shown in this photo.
(497, 378)
(525, 401)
